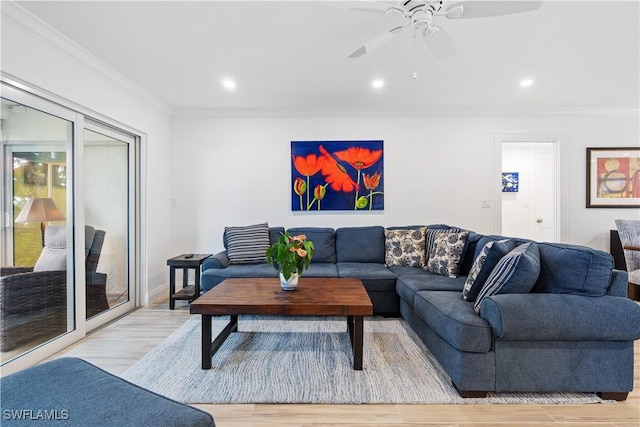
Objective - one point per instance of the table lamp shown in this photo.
(40, 209)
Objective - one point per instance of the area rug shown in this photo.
(308, 360)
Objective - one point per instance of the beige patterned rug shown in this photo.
(308, 360)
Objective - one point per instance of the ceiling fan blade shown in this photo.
(440, 43)
(377, 41)
(484, 9)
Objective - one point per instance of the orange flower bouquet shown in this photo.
(290, 255)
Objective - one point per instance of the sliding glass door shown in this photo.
(37, 276)
(107, 209)
(69, 236)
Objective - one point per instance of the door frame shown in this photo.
(560, 176)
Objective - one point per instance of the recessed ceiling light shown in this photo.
(526, 82)
(228, 84)
(377, 84)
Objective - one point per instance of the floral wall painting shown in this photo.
(337, 175)
(510, 182)
(613, 177)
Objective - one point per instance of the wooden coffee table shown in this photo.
(313, 297)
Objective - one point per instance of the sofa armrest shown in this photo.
(561, 317)
(219, 260)
(619, 283)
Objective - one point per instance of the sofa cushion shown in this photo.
(323, 239)
(321, 269)
(246, 270)
(454, 320)
(247, 244)
(409, 271)
(515, 273)
(407, 286)
(489, 255)
(405, 247)
(274, 234)
(364, 270)
(360, 244)
(447, 253)
(571, 269)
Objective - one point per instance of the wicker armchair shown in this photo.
(629, 231)
(33, 304)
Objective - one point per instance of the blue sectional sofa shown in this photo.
(557, 318)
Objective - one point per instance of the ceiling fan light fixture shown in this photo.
(377, 84)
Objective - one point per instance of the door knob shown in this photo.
(539, 221)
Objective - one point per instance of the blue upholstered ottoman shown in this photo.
(72, 392)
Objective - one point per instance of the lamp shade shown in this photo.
(40, 209)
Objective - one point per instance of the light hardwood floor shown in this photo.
(120, 344)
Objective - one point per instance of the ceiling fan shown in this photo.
(419, 16)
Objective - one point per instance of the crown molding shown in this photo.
(479, 111)
(43, 32)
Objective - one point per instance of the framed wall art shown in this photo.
(59, 176)
(337, 175)
(510, 182)
(35, 173)
(613, 177)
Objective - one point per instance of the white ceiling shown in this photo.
(293, 55)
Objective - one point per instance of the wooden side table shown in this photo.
(185, 262)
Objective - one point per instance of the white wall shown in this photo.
(236, 170)
(33, 53)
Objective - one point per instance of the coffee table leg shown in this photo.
(209, 348)
(356, 332)
(206, 341)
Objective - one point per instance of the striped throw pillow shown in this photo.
(516, 272)
(247, 245)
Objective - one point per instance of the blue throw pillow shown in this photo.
(483, 265)
(324, 242)
(517, 272)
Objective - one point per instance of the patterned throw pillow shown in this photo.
(446, 256)
(517, 272)
(405, 247)
(432, 233)
(482, 266)
(247, 245)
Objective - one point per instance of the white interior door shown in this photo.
(530, 212)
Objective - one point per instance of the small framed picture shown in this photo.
(59, 175)
(510, 182)
(35, 173)
(613, 177)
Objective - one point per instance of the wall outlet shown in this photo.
(486, 204)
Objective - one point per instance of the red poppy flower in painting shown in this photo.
(335, 174)
(359, 157)
(371, 181)
(308, 166)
